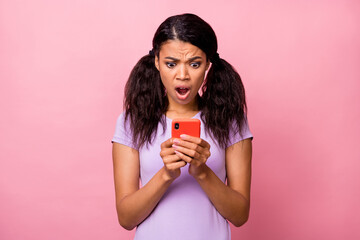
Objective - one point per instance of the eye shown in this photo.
(195, 64)
(170, 64)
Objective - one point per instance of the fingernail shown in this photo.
(174, 146)
(184, 136)
(176, 152)
(176, 141)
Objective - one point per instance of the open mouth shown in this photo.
(182, 90)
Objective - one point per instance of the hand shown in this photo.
(172, 162)
(193, 150)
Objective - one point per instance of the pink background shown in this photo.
(63, 66)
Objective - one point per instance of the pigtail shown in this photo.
(145, 101)
(223, 102)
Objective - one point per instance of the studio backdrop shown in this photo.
(63, 67)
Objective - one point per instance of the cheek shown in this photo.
(199, 78)
(163, 76)
(165, 79)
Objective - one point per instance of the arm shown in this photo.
(232, 201)
(133, 204)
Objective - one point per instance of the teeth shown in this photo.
(182, 90)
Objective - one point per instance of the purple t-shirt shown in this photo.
(185, 211)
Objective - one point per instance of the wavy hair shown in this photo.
(222, 104)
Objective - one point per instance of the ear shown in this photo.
(157, 63)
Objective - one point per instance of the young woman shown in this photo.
(191, 187)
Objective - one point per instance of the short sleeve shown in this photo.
(123, 133)
(235, 137)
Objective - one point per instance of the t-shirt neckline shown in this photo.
(169, 119)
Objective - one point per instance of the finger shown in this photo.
(167, 143)
(184, 157)
(176, 165)
(171, 159)
(190, 152)
(199, 141)
(167, 151)
(189, 145)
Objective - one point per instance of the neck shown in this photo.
(183, 110)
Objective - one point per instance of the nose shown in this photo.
(182, 73)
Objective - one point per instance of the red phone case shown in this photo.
(189, 126)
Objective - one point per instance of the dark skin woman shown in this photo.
(164, 85)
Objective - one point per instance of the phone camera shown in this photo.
(177, 126)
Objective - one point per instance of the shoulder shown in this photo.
(123, 133)
(237, 135)
(123, 124)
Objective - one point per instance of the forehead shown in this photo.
(177, 48)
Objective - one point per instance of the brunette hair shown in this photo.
(222, 104)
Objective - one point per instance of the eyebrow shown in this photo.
(190, 59)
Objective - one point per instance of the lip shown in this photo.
(181, 86)
(185, 96)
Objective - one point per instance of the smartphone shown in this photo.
(189, 126)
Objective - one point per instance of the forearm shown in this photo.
(231, 204)
(135, 207)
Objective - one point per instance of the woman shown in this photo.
(190, 186)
